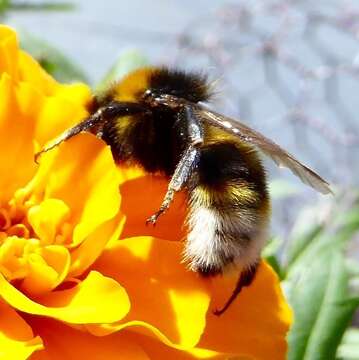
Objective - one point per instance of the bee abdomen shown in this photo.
(218, 239)
(229, 211)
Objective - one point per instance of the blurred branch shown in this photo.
(42, 6)
(4, 5)
(11, 5)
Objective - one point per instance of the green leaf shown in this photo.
(128, 61)
(322, 306)
(43, 6)
(270, 255)
(349, 348)
(310, 238)
(317, 283)
(4, 6)
(299, 244)
(51, 59)
(353, 267)
(306, 228)
(273, 261)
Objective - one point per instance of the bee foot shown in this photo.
(218, 312)
(152, 219)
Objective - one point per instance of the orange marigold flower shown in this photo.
(80, 273)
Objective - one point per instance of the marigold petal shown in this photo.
(30, 100)
(47, 270)
(145, 332)
(97, 299)
(63, 342)
(259, 310)
(80, 172)
(142, 197)
(17, 340)
(62, 110)
(158, 350)
(128, 173)
(30, 71)
(16, 132)
(47, 218)
(8, 51)
(170, 301)
(78, 93)
(91, 248)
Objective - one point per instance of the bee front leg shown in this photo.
(187, 163)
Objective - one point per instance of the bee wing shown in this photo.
(281, 157)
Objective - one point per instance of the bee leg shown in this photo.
(245, 279)
(94, 123)
(187, 162)
(179, 178)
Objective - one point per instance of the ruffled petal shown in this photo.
(29, 102)
(16, 133)
(17, 340)
(259, 310)
(31, 72)
(83, 256)
(128, 173)
(60, 111)
(8, 51)
(63, 342)
(158, 350)
(81, 173)
(167, 301)
(241, 333)
(97, 299)
(46, 270)
(141, 197)
(47, 218)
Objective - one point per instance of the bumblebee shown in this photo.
(157, 118)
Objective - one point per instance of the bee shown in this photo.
(157, 118)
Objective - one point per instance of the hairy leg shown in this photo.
(188, 161)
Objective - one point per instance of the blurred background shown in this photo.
(287, 68)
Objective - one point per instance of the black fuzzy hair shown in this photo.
(190, 86)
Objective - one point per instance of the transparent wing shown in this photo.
(281, 157)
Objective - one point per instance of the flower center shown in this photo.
(34, 238)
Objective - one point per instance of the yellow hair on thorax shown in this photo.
(132, 85)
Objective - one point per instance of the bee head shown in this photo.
(146, 83)
(192, 87)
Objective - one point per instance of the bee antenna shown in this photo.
(82, 126)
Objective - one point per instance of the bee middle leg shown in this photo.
(187, 163)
